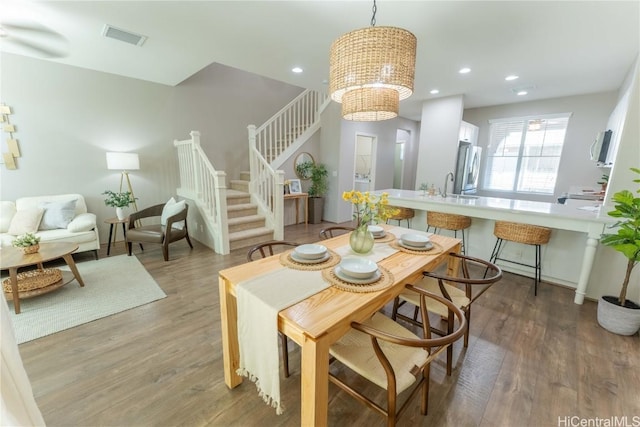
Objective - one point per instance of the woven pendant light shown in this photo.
(371, 70)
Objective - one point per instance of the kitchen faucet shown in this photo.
(446, 180)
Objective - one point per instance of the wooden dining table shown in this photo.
(321, 319)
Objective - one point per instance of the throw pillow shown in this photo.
(7, 211)
(82, 222)
(25, 221)
(57, 214)
(171, 208)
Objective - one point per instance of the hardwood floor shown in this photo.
(531, 361)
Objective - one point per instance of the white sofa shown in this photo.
(18, 216)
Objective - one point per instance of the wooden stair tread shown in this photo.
(245, 234)
(241, 206)
(232, 194)
(243, 219)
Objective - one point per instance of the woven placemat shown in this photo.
(34, 279)
(386, 280)
(388, 237)
(287, 261)
(436, 249)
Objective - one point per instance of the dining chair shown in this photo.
(329, 232)
(264, 250)
(394, 358)
(477, 277)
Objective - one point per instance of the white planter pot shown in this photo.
(120, 213)
(617, 319)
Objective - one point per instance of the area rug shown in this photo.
(111, 285)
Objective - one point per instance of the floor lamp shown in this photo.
(124, 162)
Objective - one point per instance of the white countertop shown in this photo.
(553, 215)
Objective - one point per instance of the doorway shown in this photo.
(365, 162)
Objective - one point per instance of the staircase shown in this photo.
(246, 226)
(250, 210)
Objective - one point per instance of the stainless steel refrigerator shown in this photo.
(467, 168)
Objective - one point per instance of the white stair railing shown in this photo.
(271, 144)
(200, 182)
(266, 188)
(278, 134)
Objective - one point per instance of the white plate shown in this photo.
(426, 247)
(310, 251)
(376, 230)
(296, 258)
(338, 271)
(417, 240)
(379, 236)
(358, 268)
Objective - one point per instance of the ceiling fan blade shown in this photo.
(41, 51)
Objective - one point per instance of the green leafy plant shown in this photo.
(25, 240)
(604, 179)
(303, 170)
(118, 200)
(319, 184)
(627, 238)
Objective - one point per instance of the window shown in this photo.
(524, 153)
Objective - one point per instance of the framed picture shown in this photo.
(294, 186)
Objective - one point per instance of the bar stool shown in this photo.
(521, 233)
(452, 222)
(404, 213)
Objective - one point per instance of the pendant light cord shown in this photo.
(374, 10)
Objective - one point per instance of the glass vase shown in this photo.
(361, 240)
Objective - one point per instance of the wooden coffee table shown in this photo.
(12, 259)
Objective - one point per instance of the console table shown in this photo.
(305, 199)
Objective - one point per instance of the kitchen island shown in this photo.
(578, 230)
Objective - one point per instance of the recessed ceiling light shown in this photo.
(511, 77)
(434, 91)
(296, 69)
(465, 70)
(522, 93)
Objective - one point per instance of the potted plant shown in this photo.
(604, 180)
(318, 175)
(29, 242)
(618, 314)
(118, 201)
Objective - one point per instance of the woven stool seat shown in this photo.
(403, 213)
(521, 233)
(449, 221)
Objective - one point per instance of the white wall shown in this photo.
(608, 272)
(590, 116)
(68, 117)
(385, 132)
(439, 140)
(221, 102)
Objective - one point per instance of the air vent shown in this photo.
(123, 35)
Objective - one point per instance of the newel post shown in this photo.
(197, 173)
(278, 208)
(253, 167)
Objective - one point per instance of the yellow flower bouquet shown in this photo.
(369, 207)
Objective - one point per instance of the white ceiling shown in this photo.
(557, 48)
